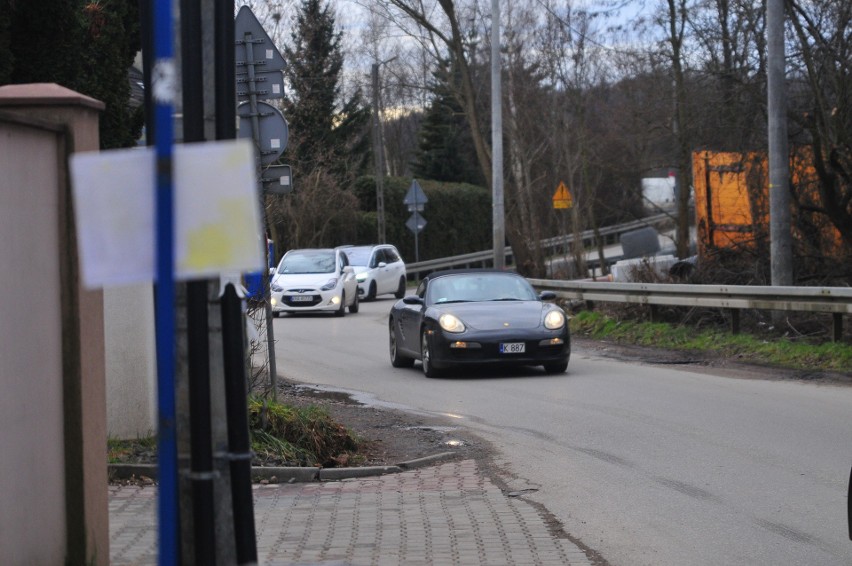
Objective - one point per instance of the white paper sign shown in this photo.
(216, 213)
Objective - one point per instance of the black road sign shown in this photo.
(273, 134)
(258, 60)
(278, 180)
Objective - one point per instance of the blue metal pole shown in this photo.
(164, 88)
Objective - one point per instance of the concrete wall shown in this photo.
(53, 496)
(31, 427)
(130, 361)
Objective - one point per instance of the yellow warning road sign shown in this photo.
(562, 197)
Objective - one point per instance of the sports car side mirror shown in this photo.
(412, 300)
(547, 295)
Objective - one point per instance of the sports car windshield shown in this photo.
(479, 287)
(308, 262)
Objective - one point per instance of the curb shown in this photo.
(293, 474)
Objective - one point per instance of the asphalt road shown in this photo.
(647, 465)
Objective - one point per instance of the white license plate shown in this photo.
(512, 348)
(301, 298)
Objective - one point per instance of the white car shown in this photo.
(379, 270)
(311, 280)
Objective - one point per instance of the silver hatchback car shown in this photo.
(379, 270)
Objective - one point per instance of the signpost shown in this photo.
(259, 67)
(415, 199)
(562, 200)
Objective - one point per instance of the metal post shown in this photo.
(837, 330)
(498, 215)
(378, 154)
(232, 315)
(416, 228)
(239, 445)
(163, 92)
(198, 347)
(255, 128)
(781, 238)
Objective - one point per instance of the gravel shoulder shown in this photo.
(388, 436)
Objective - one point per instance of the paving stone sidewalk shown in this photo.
(444, 514)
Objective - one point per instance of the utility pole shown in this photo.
(498, 216)
(781, 238)
(379, 151)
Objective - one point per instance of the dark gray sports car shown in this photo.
(478, 317)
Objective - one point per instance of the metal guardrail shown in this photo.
(834, 300)
(485, 258)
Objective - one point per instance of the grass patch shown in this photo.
(302, 436)
(135, 450)
(281, 435)
(830, 356)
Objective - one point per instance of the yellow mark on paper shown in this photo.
(222, 242)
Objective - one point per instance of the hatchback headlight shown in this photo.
(554, 319)
(450, 323)
(277, 288)
(332, 283)
(361, 277)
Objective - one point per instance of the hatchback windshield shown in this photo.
(358, 256)
(308, 262)
(483, 287)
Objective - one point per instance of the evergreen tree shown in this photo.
(84, 45)
(445, 150)
(328, 145)
(325, 131)
(7, 61)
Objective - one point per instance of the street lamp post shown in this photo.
(379, 152)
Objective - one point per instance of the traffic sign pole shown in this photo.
(249, 33)
(415, 199)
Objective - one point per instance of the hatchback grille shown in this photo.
(288, 300)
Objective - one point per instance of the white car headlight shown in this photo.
(332, 283)
(277, 288)
(361, 277)
(450, 323)
(554, 320)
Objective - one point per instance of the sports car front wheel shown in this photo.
(429, 370)
(397, 359)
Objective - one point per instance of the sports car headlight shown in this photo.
(554, 320)
(332, 283)
(450, 323)
(361, 277)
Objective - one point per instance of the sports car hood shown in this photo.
(302, 280)
(494, 315)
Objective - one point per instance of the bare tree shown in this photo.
(319, 214)
(824, 63)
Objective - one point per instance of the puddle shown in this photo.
(359, 397)
(435, 428)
